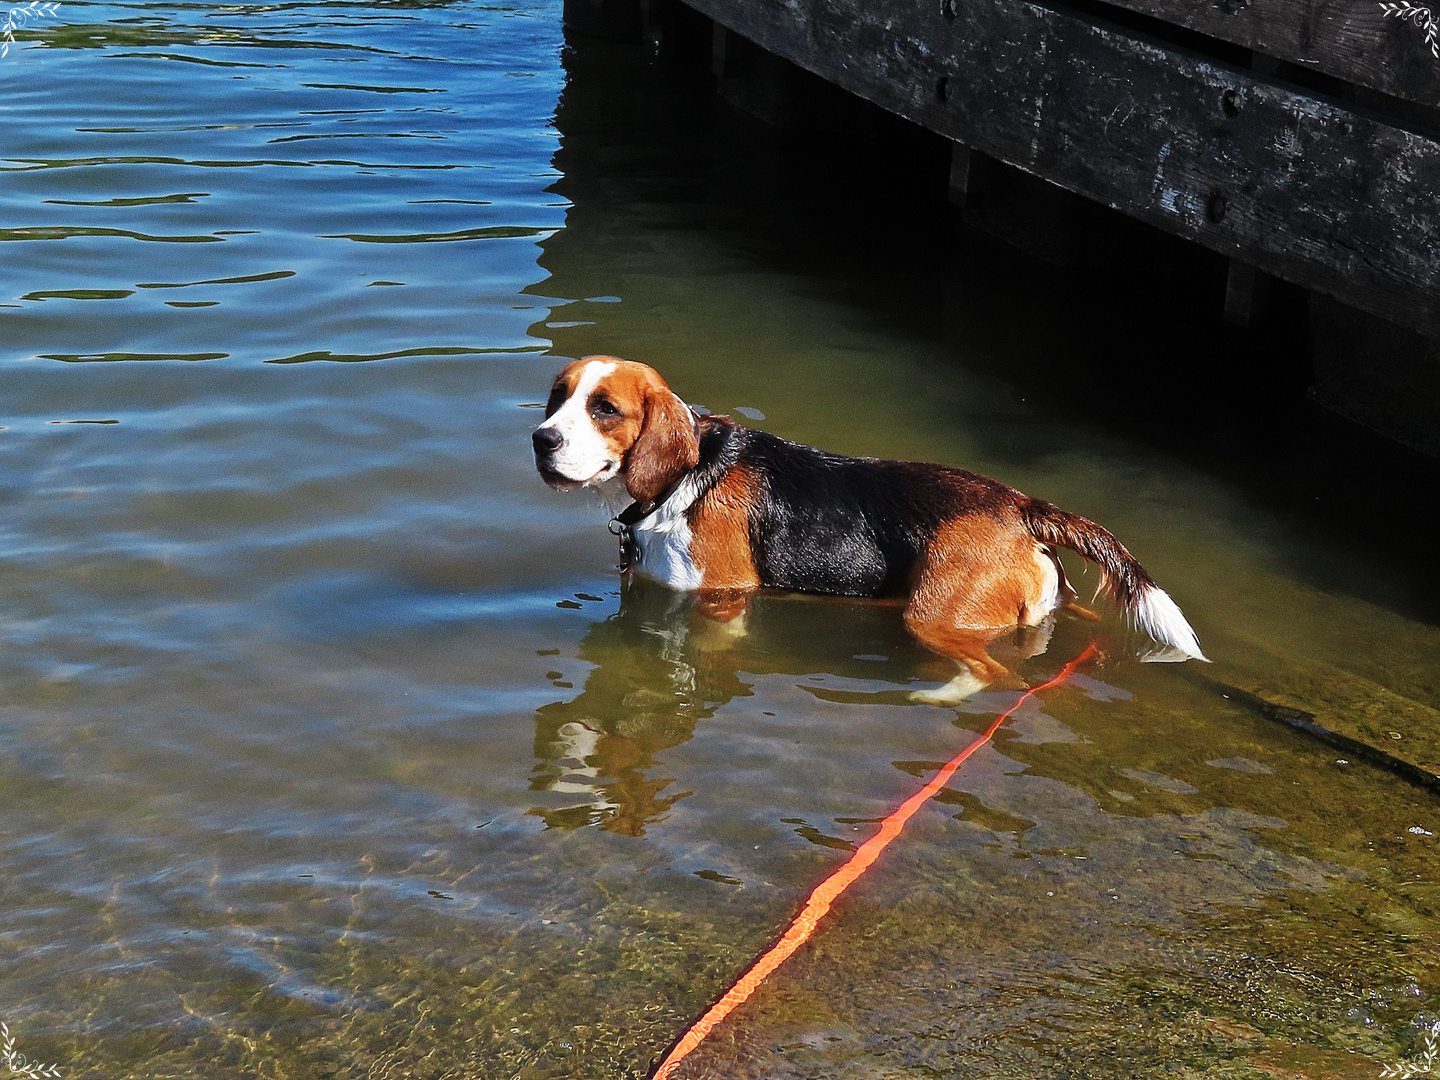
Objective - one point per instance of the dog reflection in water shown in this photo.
(649, 685)
(662, 664)
(723, 511)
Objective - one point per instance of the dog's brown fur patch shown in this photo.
(720, 533)
(980, 576)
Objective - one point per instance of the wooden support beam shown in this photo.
(719, 48)
(1377, 374)
(758, 82)
(1315, 192)
(960, 162)
(1247, 292)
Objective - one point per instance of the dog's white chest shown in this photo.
(663, 543)
(666, 557)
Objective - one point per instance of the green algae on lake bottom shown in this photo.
(1157, 929)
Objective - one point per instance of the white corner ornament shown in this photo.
(1427, 1064)
(1422, 17)
(20, 16)
(17, 1064)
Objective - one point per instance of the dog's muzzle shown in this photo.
(547, 443)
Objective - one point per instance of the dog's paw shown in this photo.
(954, 692)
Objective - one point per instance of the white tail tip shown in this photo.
(1160, 617)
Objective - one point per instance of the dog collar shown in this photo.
(622, 525)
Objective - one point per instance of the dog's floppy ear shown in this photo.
(665, 451)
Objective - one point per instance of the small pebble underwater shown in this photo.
(333, 746)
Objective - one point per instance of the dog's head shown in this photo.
(608, 417)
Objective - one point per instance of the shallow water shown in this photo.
(330, 745)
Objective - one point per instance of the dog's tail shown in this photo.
(1123, 578)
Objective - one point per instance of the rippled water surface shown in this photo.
(331, 747)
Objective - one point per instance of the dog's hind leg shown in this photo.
(978, 669)
(979, 579)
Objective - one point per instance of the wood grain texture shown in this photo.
(1353, 40)
(1308, 190)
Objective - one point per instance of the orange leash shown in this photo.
(826, 893)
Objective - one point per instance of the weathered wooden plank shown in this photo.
(1306, 190)
(1391, 46)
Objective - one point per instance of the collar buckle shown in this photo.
(622, 526)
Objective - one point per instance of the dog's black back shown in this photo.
(847, 526)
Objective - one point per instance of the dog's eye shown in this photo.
(602, 409)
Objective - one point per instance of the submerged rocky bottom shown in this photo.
(1087, 900)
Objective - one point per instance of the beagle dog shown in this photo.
(724, 510)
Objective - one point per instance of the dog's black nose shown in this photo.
(547, 440)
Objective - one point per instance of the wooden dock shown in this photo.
(1299, 138)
